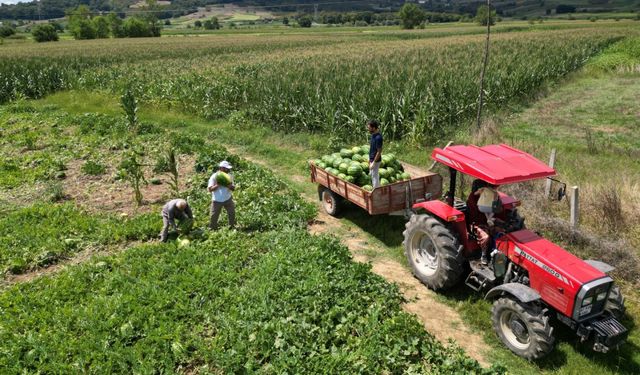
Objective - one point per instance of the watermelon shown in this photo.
(391, 171)
(355, 150)
(363, 179)
(392, 157)
(336, 155)
(350, 179)
(364, 149)
(354, 169)
(346, 153)
(365, 165)
(356, 157)
(383, 173)
(342, 176)
(368, 187)
(392, 179)
(405, 176)
(343, 167)
(223, 179)
(336, 162)
(384, 181)
(321, 165)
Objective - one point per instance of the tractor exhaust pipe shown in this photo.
(450, 198)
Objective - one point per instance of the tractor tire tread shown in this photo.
(450, 262)
(538, 322)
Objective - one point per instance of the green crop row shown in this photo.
(420, 87)
(274, 302)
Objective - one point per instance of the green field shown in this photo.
(270, 297)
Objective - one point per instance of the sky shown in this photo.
(13, 1)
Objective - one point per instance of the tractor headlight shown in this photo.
(601, 296)
(587, 301)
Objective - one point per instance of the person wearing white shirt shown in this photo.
(221, 196)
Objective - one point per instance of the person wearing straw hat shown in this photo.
(172, 210)
(221, 188)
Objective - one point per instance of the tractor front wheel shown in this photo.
(523, 328)
(432, 252)
(615, 303)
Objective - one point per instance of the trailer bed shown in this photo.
(398, 196)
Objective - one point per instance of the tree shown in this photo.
(80, 24)
(482, 15)
(285, 20)
(135, 27)
(197, 24)
(411, 15)
(304, 21)
(115, 26)
(44, 33)
(101, 26)
(563, 8)
(215, 23)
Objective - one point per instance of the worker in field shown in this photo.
(375, 152)
(221, 187)
(172, 210)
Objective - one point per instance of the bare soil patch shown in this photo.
(103, 194)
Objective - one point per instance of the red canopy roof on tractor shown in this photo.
(495, 164)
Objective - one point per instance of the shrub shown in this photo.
(44, 33)
(135, 27)
(6, 31)
(304, 21)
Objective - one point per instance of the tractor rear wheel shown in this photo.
(615, 303)
(432, 252)
(331, 202)
(524, 328)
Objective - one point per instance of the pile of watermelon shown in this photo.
(352, 165)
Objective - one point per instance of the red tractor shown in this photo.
(533, 282)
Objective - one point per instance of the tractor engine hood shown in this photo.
(561, 278)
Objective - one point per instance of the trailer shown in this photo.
(397, 198)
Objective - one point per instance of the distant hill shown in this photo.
(49, 9)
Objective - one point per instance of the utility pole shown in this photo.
(484, 65)
(315, 12)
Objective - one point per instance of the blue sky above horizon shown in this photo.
(13, 1)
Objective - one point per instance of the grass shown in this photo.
(268, 297)
(287, 154)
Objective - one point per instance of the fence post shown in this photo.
(552, 163)
(575, 207)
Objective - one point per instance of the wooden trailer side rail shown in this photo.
(385, 199)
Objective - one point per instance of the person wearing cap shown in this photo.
(221, 196)
(174, 209)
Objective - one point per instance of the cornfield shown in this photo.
(421, 89)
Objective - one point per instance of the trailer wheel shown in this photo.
(432, 252)
(331, 202)
(523, 328)
(615, 303)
